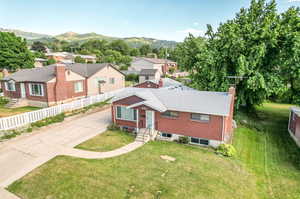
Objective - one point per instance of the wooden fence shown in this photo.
(15, 121)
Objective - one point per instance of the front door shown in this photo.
(23, 90)
(150, 119)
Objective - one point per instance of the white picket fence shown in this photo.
(12, 122)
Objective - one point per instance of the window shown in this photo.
(146, 77)
(112, 80)
(200, 117)
(199, 141)
(171, 114)
(10, 86)
(167, 135)
(78, 87)
(124, 113)
(36, 89)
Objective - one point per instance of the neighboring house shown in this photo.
(149, 74)
(60, 83)
(204, 117)
(160, 83)
(68, 58)
(39, 62)
(294, 124)
(162, 65)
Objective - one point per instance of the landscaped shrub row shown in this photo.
(49, 120)
(3, 101)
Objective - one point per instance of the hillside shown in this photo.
(80, 38)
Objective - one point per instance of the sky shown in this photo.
(160, 19)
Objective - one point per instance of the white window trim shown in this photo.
(190, 141)
(78, 91)
(116, 115)
(202, 121)
(42, 89)
(6, 86)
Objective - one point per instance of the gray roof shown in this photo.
(205, 102)
(46, 73)
(148, 72)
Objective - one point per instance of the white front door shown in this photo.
(150, 119)
(23, 90)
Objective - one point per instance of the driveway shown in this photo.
(26, 152)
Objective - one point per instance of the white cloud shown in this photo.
(196, 24)
(192, 31)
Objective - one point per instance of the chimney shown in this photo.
(60, 86)
(231, 91)
(160, 83)
(5, 72)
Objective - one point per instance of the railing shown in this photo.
(15, 121)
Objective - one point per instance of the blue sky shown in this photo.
(161, 19)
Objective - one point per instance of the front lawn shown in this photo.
(5, 112)
(267, 166)
(107, 141)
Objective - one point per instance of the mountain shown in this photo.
(80, 38)
(26, 35)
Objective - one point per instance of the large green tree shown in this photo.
(14, 53)
(246, 47)
(38, 46)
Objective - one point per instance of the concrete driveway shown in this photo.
(26, 152)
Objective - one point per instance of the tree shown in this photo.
(51, 61)
(14, 53)
(135, 52)
(246, 46)
(145, 49)
(120, 46)
(38, 46)
(79, 59)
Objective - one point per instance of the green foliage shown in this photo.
(51, 61)
(3, 101)
(183, 140)
(120, 46)
(249, 46)
(145, 49)
(79, 59)
(38, 46)
(113, 127)
(14, 53)
(49, 120)
(135, 52)
(132, 77)
(227, 150)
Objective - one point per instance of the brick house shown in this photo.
(294, 124)
(60, 83)
(205, 117)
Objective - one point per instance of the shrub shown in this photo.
(29, 130)
(49, 120)
(183, 140)
(3, 100)
(226, 150)
(132, 77)
(113, 127)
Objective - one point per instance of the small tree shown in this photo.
(38, 46)
(79, 59)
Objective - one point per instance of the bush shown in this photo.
(113, 127)
(132, 77)
(3, 101)
(49, 120)
(183, 140)
(226, 150)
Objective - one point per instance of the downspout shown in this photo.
(223, 127)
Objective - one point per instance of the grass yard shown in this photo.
(267, 166)
(107, 141)
(5, 112)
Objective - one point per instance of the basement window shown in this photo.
(36, 89)
(167, 135)
(199, 141)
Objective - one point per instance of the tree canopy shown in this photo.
(258, 45)
(14, 53)
(38, 46)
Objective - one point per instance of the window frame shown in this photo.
(199, 141)
(200, 115)
(166, 135)
(82, 87)
(120, 118)
(10, 83)
(170, 116)
(41, 89)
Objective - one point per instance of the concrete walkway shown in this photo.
(21, 155)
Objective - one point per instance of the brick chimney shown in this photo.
(5, 72)
(160, 83)
(60, 86)
(232, 91)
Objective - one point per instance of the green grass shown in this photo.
(266, 166)
(5, 112)
(107, 141)
(266, 149)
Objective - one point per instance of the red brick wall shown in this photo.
(183, 125)
(228, 119)
(11, 94)
(293, 122)
(147, 84)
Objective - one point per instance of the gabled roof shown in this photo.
(154, 60)
(151, 72)
(46, 73)
(205, 102)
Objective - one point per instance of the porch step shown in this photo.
(14, 103)
(143, 136)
